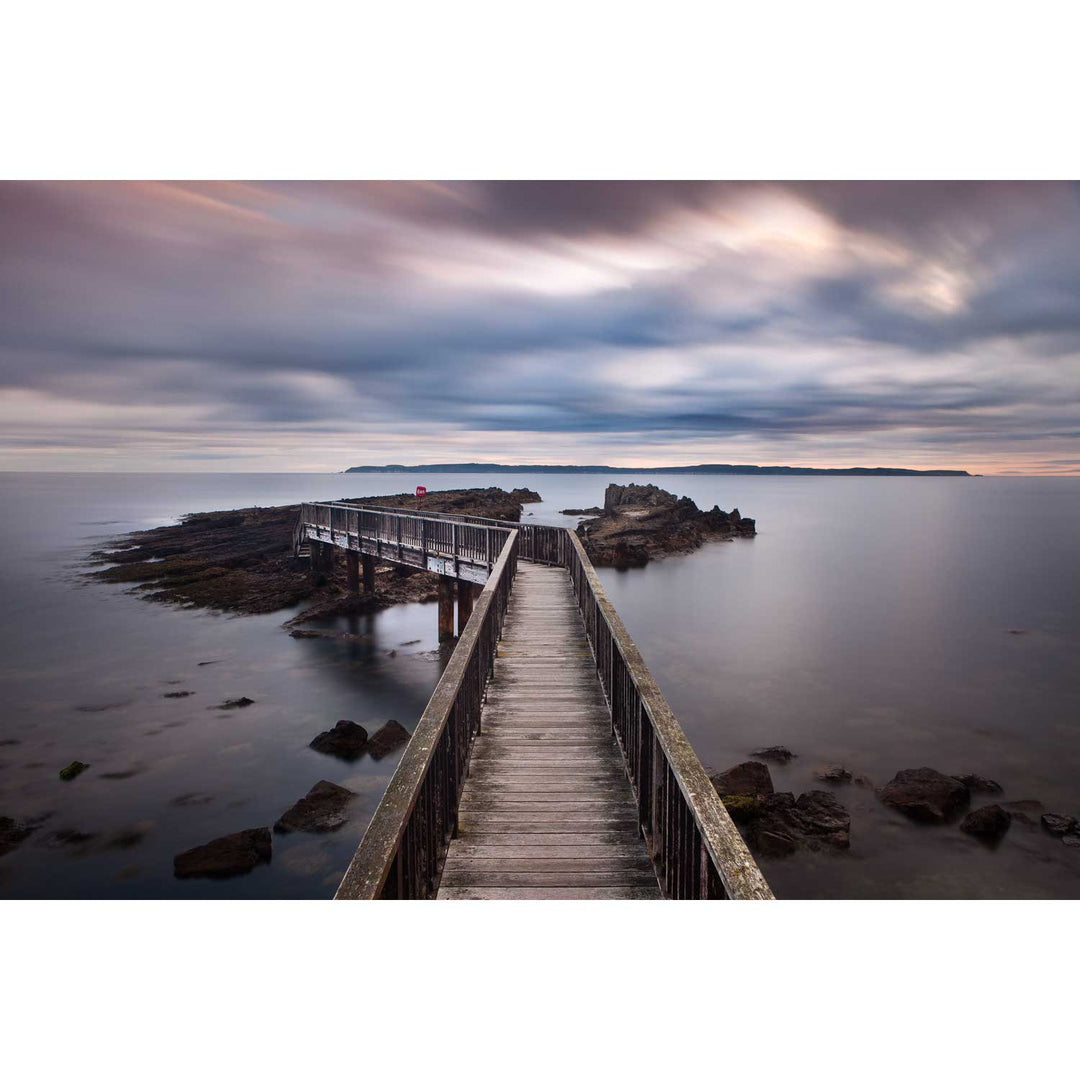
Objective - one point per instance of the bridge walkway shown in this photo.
(547, 811)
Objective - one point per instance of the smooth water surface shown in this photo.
(867, 624)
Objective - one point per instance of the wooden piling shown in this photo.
(352, 570)
(368, 562)
(446, 607)
(465, 592)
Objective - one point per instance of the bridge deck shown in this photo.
(547, 811)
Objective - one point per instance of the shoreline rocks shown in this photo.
(228, 856)
(390, 737)
(779, 754)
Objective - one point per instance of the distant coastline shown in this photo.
(737, 470)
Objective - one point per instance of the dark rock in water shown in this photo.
(191, 799)
(774, 753)
(586, 510)
(987, 823)
(322, 809)
(306, 633)
(821, 815)
(748, 778)
(72, 837)
(13, 833)
(834, 774)
(1059, 824)
(122, 774)
(236, 703)
(413, 641)
(69, 772)
(178, 693)
(1072, 840)
(238, 853)
(9, 742)
(925, 795)
(975, 783)
(526, 495)
(1015, 631)
(784, 824)
(344, 740)
(387, 739)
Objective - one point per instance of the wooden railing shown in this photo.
(539, 543)
(695, 847)
(460, 548)
(401, 855)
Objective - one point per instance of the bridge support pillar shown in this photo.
(352, 570)
(321, 560)
(368, 562)
(446, 608)
(465, 593)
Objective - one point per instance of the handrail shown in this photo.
(393, 535)
(539, 543)
(401, 854)
(696, 848)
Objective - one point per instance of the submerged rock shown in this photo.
(236, 703)
(834, 774)
(774, 753)
(322, 809)
(13, 833)
(178, 693)
(387, 739)
(344, 740)
(979, 784)
(1059, 824)
(69, 772)
(987, 823)
(925, 795)
(748, 778)
(238, 853)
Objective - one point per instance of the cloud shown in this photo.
(155, 324)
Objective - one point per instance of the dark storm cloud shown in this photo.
(684, 311)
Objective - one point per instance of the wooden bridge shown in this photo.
(547, 764)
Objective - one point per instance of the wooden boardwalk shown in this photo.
(547, 811)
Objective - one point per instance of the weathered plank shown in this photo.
(547, 809)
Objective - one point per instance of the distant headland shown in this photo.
(737, 470)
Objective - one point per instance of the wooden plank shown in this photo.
(495, 879)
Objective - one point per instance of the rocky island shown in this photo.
(640, 522)
(241, 561)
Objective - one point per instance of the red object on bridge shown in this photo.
(421, 491)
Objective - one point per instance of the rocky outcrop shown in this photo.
(390, 737)
(238, 853)
(1059, 824)
(69, 772)
(987, 823)
(587, 510)
(345, 740)
(642, 522)
(322, 809)
(925, 795)
(236, 703)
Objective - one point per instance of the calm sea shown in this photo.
(868, 624)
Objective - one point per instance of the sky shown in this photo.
(310, 326)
